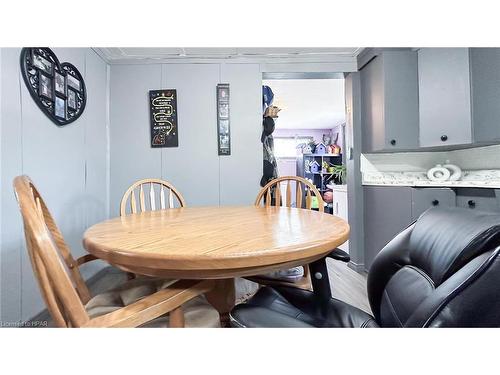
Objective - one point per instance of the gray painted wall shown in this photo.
(68, 165)
(353, 151)
(203, 177)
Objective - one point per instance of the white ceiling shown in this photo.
(153, 54)
(308, 103)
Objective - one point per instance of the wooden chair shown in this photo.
(270, 195)
(135, 303)
(165, 192)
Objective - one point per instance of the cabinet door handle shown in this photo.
(471, 203)
(435, 202)
(393, 142)
(444, 138)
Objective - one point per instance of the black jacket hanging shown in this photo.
(270, 167)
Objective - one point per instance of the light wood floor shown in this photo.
(347, 285)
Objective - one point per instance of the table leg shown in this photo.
(222, 297)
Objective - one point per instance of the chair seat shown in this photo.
(292, 307)
(197, 312)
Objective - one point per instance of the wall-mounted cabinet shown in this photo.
(430, 98)
(444, 97)
(485, 84)
(389, 100)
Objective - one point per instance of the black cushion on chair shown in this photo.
(441, 271)
(419, 279)
(440, 254)
(293, 307)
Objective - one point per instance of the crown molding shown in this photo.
(344, 59)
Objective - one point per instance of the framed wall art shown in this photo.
(163, 111)
(58, 89)
(223, 129)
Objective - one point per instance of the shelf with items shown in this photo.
(322, 156)
(321, 177)
(320, 172)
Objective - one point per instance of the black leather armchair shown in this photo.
(441, 271)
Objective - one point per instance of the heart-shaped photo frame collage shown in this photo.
(57, 88)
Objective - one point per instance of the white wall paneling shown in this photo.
(131, 157)
(1, 182)
(240, 173)
(203, 177)
(12, 234)
(67, 164)
(193, 167)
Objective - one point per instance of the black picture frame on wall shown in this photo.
(223, 120)
(40, 69)
(163, 116)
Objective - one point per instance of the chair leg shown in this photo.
(176, 318)
(319, 279)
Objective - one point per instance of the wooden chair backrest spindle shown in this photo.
(147, 195)
(265, 194)
(55, 269)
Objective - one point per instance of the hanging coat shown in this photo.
(270, 167)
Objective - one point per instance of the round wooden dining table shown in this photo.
(218, 243)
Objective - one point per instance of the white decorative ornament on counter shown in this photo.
(455, 170)
(438, 173)
(479, 167)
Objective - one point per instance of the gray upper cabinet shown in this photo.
(485, 82)
(444, 97)
(389, 100)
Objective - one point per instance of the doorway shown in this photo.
(310, 131)
(309, 135)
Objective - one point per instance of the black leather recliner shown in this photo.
(441, 271)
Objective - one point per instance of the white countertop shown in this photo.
(476, 179)
(437, 184)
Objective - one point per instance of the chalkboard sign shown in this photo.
(163, 107)
(223, 131)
